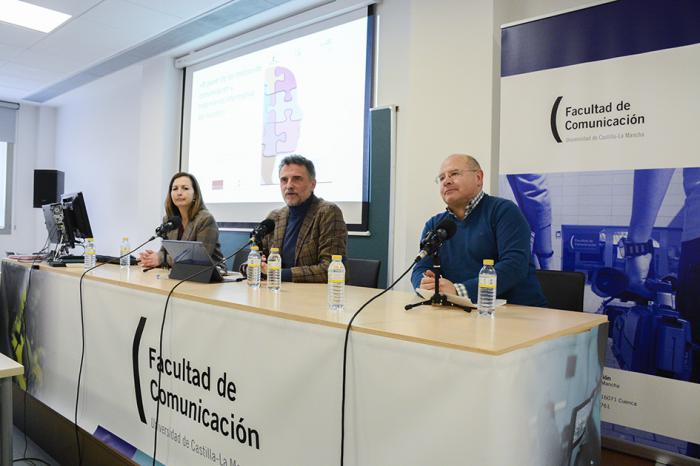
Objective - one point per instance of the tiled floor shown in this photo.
(609, 457)
(614, 458)
(32, 451)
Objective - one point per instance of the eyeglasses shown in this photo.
(451, 175)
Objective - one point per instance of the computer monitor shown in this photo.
(75, 218)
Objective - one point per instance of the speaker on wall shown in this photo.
(48, 187)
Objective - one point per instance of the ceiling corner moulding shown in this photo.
(31, 16)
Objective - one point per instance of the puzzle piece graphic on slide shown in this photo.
(280, 80)
(280, 105)
(289, 128)
(281, 119)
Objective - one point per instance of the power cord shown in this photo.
(82, 340)
(345, 360)
(162, 327)
(31, 460)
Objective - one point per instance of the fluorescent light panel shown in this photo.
(31, 16)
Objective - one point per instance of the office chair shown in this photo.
(362, 272)
(563, 290)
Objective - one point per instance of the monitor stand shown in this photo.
(60, 256)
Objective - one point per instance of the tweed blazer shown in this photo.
(201, 228)
(323, 233)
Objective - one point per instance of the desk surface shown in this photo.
(9, 367)
(511, 328)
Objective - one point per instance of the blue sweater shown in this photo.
(495, 229)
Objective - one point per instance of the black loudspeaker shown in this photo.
(48, 187)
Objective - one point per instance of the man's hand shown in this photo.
(428, 283)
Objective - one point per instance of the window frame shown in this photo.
(7, 229)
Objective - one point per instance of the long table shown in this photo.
(252, 377)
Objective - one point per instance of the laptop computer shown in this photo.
(190, 257)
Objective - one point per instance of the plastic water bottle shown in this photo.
(486, 302)
(336, 284)
(253, 270)
(124, 250)
(274, 270)
(90, 255)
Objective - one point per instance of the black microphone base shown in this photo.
(205, 273)
(437, 300)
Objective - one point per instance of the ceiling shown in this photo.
(106, 35)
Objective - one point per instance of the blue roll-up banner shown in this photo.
(600, 119)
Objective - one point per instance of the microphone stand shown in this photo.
(437, 299)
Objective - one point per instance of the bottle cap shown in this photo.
(274, 249)
(253, 248)
(488, 261)
(337, 257)
(125, 238)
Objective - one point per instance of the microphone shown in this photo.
(173, 223)
(263, 229)
(434, 238)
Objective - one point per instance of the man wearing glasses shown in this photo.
(488, 227)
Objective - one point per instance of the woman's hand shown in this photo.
(149, 259)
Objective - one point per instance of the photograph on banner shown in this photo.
(635, 234)
(20, 340)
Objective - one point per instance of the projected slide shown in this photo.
(282, 119)
(305, 96)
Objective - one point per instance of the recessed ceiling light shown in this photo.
(31, 16)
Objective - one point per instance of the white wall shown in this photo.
(117, 138)
(435, 63)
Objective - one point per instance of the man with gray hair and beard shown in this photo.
(308, 230)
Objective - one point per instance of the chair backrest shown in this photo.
(563, 290)
(362, 272)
